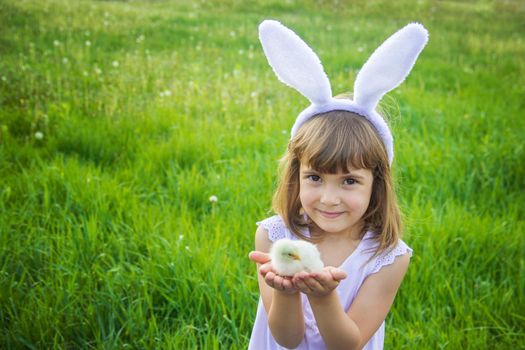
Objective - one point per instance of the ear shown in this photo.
(389, 65)
(294, 62)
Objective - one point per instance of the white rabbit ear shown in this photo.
(389, 65)
(294, 62)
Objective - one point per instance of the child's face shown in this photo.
(336, 202)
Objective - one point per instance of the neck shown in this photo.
(355, 233)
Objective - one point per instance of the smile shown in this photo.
(330, 214)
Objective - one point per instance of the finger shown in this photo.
(265, 268)
(325, 282)
(300, 284)
(321, 277)
(299, 276)
(269, 278)
(287, 284)
(328, 285)
(313, 284)
(259, 257)
(280, 283)
(337, 274)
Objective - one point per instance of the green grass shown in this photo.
(108, 239)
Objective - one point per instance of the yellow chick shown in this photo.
(292, 256)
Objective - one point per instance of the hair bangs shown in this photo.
(333, 156)
(333, 144)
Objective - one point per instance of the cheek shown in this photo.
(359, 201)
(306, 196)
(365, 200)
(302, 198)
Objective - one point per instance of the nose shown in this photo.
(330, 196)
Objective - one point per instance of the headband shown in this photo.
(297, 66)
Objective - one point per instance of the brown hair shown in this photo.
(331, 142)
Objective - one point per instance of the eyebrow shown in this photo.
(352, 175)
(313, 171)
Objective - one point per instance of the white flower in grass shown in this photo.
(187, 248)
(140, 38)
(115, 64)
(181, 237)
(65, 60)
(213, 199)
(232, 34)
(39, 135)
(56, 43)
(98, 70)
(88, 43)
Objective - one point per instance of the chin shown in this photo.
(332, 227)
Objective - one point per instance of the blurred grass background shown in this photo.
(120, 119)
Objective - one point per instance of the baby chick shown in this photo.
(291, 256)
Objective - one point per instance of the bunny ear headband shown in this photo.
(297, 65)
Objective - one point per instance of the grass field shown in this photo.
(119, 120)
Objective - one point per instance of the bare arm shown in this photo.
(353, 329)
(281, 299)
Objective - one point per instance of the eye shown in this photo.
(349, 181)
(314, 178)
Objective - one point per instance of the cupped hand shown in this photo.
(319, 284)
(271, 278)
(314, 284)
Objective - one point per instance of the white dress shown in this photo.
(356, 265)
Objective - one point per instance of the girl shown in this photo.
(336, 191)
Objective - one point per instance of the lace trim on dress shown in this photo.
(389, 257)
(275, 227)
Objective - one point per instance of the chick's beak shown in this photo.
(295, 256)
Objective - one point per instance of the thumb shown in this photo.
(337, 274)
(259, 257)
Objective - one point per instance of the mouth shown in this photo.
(330, 214)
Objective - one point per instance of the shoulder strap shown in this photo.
(275, 227)
(388, 257)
